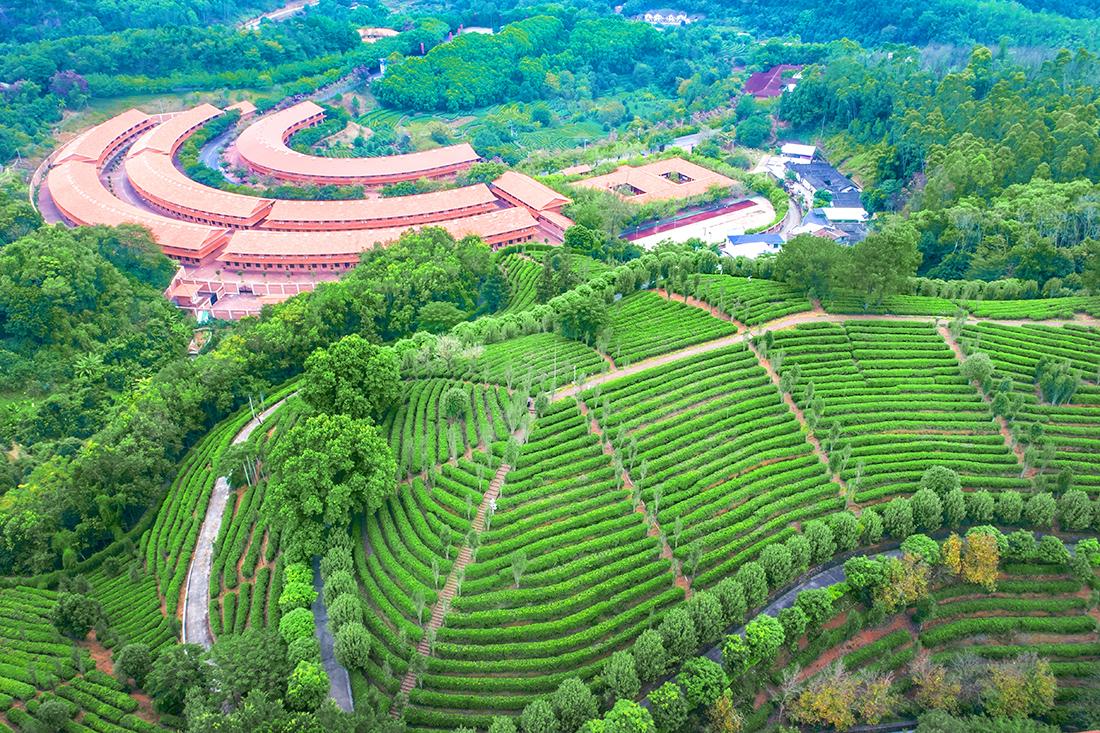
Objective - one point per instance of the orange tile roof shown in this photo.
(80, 195)
(244, 107)
(649, 180)
(561, 220)
(263, 144)
(252, 243)
(378, 210)
(530, 192)
(93, 144)
(155, 176)
(170, 134)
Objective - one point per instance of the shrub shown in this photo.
(922, 546)
(776, 561)
(1039, 511)
(304, 649)
(353, 645)
(702, 681)
(898, 518)
(337, 559)
(1051, 550)
(678, 634)
(308, 686)
(538, 717)
(669, 708)
(706, 615)
(574, 704)
(940, 480)
(927, 510)
(296, 595)
(871, 523)
(764, 635)
(75, 614)
(650, 658)
(1010, 506)
(822, 542)
(754, 582)
(296, 625)
(979, 506)
(345, 609)
(845, 529)
(620, 677)
(297, 572)
(338, 584)
(732, 598)
(1074, 510)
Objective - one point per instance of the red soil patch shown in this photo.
(861, 639)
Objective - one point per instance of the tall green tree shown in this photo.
(324, 471)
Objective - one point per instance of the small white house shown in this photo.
(797, 153)
(839, 213)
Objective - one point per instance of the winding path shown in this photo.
(339, 683)
(196, 594)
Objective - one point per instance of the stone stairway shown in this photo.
(450, 588)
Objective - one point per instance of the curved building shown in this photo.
(230, 244)
(262, 147)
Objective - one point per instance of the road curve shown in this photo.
(196, 595)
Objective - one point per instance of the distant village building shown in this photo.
(811, 180)
(752, 245)
(773, 82)
(667, 17)
(797, 153)
(374, 35)
(475, 29)
(839, 213)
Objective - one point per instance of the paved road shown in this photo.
(196, 599)
(339, 682)
(829, 574)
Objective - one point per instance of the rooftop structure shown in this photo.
(156, 179)
(374, 35)
(373, 213)
(752, 245)
(771, 83)
(101, 142)
(266, 250)
(209, 230)
(167, 137)
(667, 16)
(796, 153)
(672, 178)
(822, 177)
(523, 190)
(263, 148)
(544, 203)
(246, 108)
(82, 199)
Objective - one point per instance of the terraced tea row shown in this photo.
(439, 419)
(404, 556)
(38, 664)
(748, 301)
(889, 401)
(717, 456)
(245, 576)
(644, 325)
(564, 574)
(540, 361)
(1063, 404)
